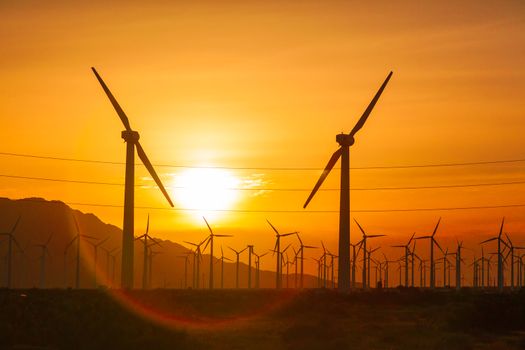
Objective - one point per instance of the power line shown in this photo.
(405, 166)
(278, 189)
(287, 211)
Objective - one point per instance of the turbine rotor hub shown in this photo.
(344, 140)
(130, 136)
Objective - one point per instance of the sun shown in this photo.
(205, 191)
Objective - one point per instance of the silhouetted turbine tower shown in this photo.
(145, 268)
(500, 254)
(131, 138)
(407, 252)
(345, 140)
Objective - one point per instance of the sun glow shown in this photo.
(206, 190)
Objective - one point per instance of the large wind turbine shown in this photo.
(131, 138)
(210, 242)
(345, 141)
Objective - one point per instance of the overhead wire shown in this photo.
(402, 166)
(277, 189)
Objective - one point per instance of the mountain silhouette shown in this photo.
(42, 220)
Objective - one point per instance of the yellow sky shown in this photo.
(269, 84)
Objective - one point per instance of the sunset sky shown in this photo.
(268, 84)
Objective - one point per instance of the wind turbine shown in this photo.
(276, 249)
(407, 253)
(131, 138)
(512, 247)
(301, 253)
(108, 259)
(95, 247)
(237, 253)
(152, 254)
(145, 268)
(45, 253)
(500, 255)
(210, 242)
(365, 252)
(432, 264)
(186, 259)
(196, 261)
(222, 267)
(10, 239)
(345, 141)
(258, 268)
(77, 240)
(458, 264)
(354, 260)
(250, 253)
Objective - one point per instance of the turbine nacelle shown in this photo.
(345, 140)
(130, 136)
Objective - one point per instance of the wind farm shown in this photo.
(246, 225)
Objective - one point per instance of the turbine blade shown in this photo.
(49, 239)
(435, 229)
(114, 102)
(501, 228)
(147, 226)
(371, 106)
(360, 228)
(488, 240)
(209, 228)
(373, 236)
(207, 242)
(151, 170)
(288, 234)
(275, 230)
(326, 171)
(438, 246)
(222, 235)
(299, 237)
(411, 238)
(13, 229)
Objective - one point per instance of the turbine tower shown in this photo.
(131, 138)
(345, 141)
(300, 252)
(500, 254)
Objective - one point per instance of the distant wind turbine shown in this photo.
(10, 239)
(95, 248)
(301, 258)
(500, 254)
(365, 252)
(77, 239)
(210, 242)
(237, 253)
(432, 264)
(276, 249)
(406, 247)
(44, 254)
(131, 138)
(345, 141)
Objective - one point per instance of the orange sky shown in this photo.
(270, 84)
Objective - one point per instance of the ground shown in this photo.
(261, 319)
